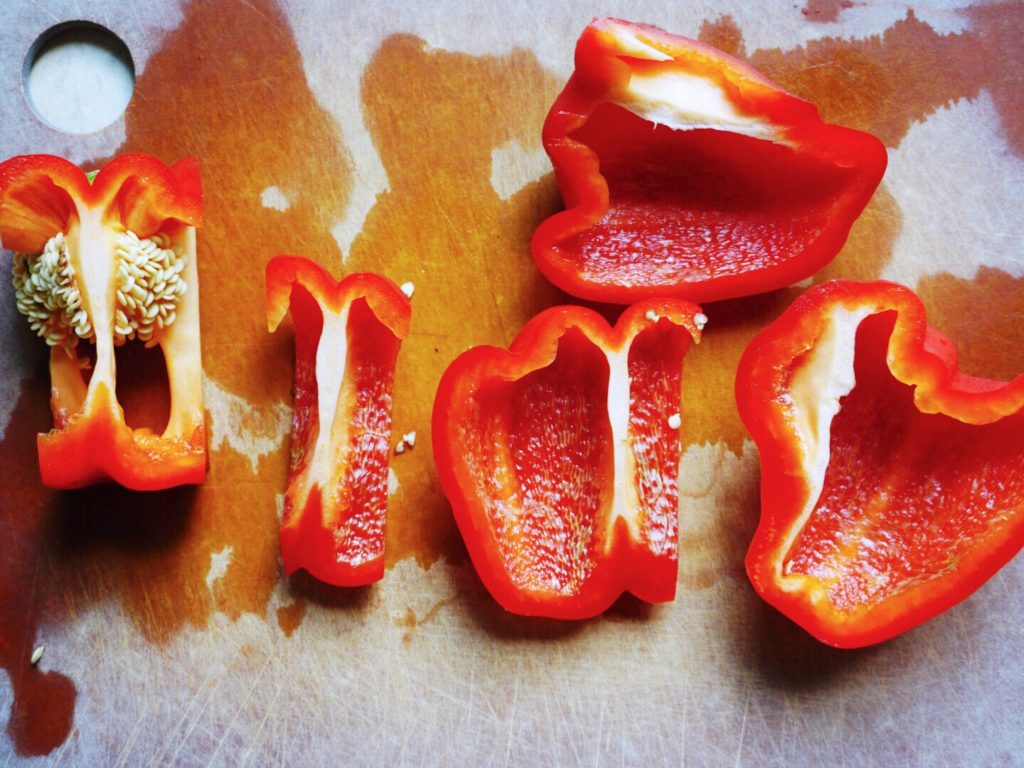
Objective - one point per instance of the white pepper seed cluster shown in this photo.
(44, 286)
(149, 285)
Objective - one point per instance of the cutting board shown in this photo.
(405, 139)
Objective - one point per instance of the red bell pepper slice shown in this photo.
(560, 457)
(122, 253)
(891, 482)
(687, 173)
(347, 337)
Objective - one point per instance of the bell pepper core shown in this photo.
(891, 482)
(686, 173)
(560, 457)
(347, 337)
(109, 258)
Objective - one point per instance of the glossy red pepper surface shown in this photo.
(892, 484)
(42, 196)
(560, 457)
(686, 173)
(347, 337)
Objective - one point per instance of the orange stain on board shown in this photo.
(724, 34)
(436, 119)
(882, 84)
(708, 405)
(154, 551)
(40, 716)
(981, 316)
(825, 11)
(241, 104)
(290, 616)
(998, 32)
(712, 544)
(251, 122)
(230, 90)
(885, 83)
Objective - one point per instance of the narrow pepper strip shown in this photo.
(892, 484)
(107, 262)
(347, 337)
(686, 173)
(560, 457)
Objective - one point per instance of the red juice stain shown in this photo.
(44, 708)
(41, 714)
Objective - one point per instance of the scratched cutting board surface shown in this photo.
(405, 139)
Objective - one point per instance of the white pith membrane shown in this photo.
(684, 101)
(625, 500)
(101, 282)
(824, 376)
(342, 459)
(333, 429)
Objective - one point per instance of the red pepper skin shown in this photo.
(560, 457)
(41, 195)
(908, 471)
(686, 173)
(38, 193)
(347, 337)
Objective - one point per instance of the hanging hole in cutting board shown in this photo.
(79, 77)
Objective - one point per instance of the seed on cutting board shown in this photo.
(407, 442)
(407, 288)
(37, 655)
(675, 421)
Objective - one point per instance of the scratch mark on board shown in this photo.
(743, 730)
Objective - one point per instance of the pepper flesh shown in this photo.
(892, 484)
(686, 173)
(560, 457)
(347, 337)
(41, 197)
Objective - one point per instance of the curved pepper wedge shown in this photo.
(347, 337)
(892, 484)
(560, 457)
(686, 173)
(109, 260)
